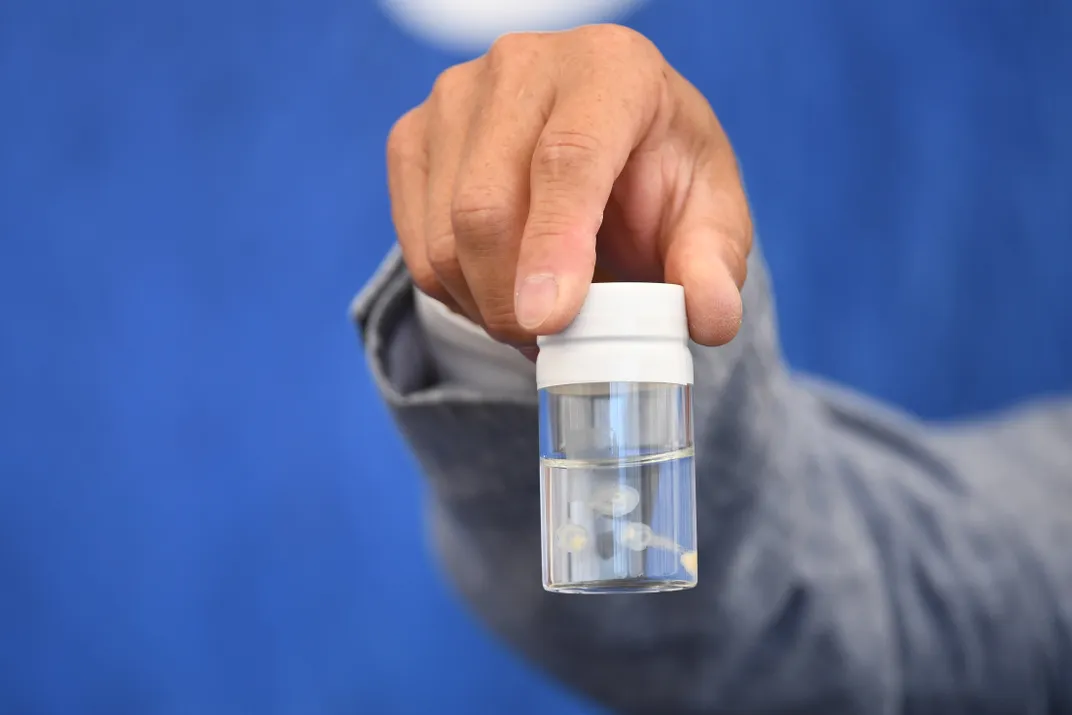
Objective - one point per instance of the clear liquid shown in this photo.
(619, 526)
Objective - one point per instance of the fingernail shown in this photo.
(535, 300)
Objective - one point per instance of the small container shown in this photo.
(618, 482)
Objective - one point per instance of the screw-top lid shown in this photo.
(624, 332)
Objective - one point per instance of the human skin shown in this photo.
(557, 158)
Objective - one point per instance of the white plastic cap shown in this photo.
(625, 332)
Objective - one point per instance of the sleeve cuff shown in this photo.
(418, 350)
(464, 354)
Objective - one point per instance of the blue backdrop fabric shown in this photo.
(203, 506)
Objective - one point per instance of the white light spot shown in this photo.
(472, 25)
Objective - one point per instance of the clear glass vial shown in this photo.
(617, 482)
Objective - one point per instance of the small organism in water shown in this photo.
(571, 537)
(636, 536)
(615, 499)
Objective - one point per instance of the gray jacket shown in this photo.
(853, 560)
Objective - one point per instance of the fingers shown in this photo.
(407, 180)
(706, 251)
(491, 195)
(502, 180)
(596, 123)
(450, 107)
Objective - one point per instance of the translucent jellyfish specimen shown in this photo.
(614, 499)
(636, 536)
(571, 537)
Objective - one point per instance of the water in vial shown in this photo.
(620, 525)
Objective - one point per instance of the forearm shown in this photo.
(838, 559)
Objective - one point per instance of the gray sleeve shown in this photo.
(852, 560)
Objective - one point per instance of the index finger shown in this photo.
(594, 127)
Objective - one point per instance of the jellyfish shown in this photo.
(571, 537)
(636, 536)
(614, 499)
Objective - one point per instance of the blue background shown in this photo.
(203, 506)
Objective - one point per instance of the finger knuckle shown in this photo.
(452, 84)
(618, 37)
(511, 48)
(427, 281)
(554, 227)
(562, 152)
(442, 254)
(613, 32)
(404, 141)
(481, 213)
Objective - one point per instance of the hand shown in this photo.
(557, 157)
